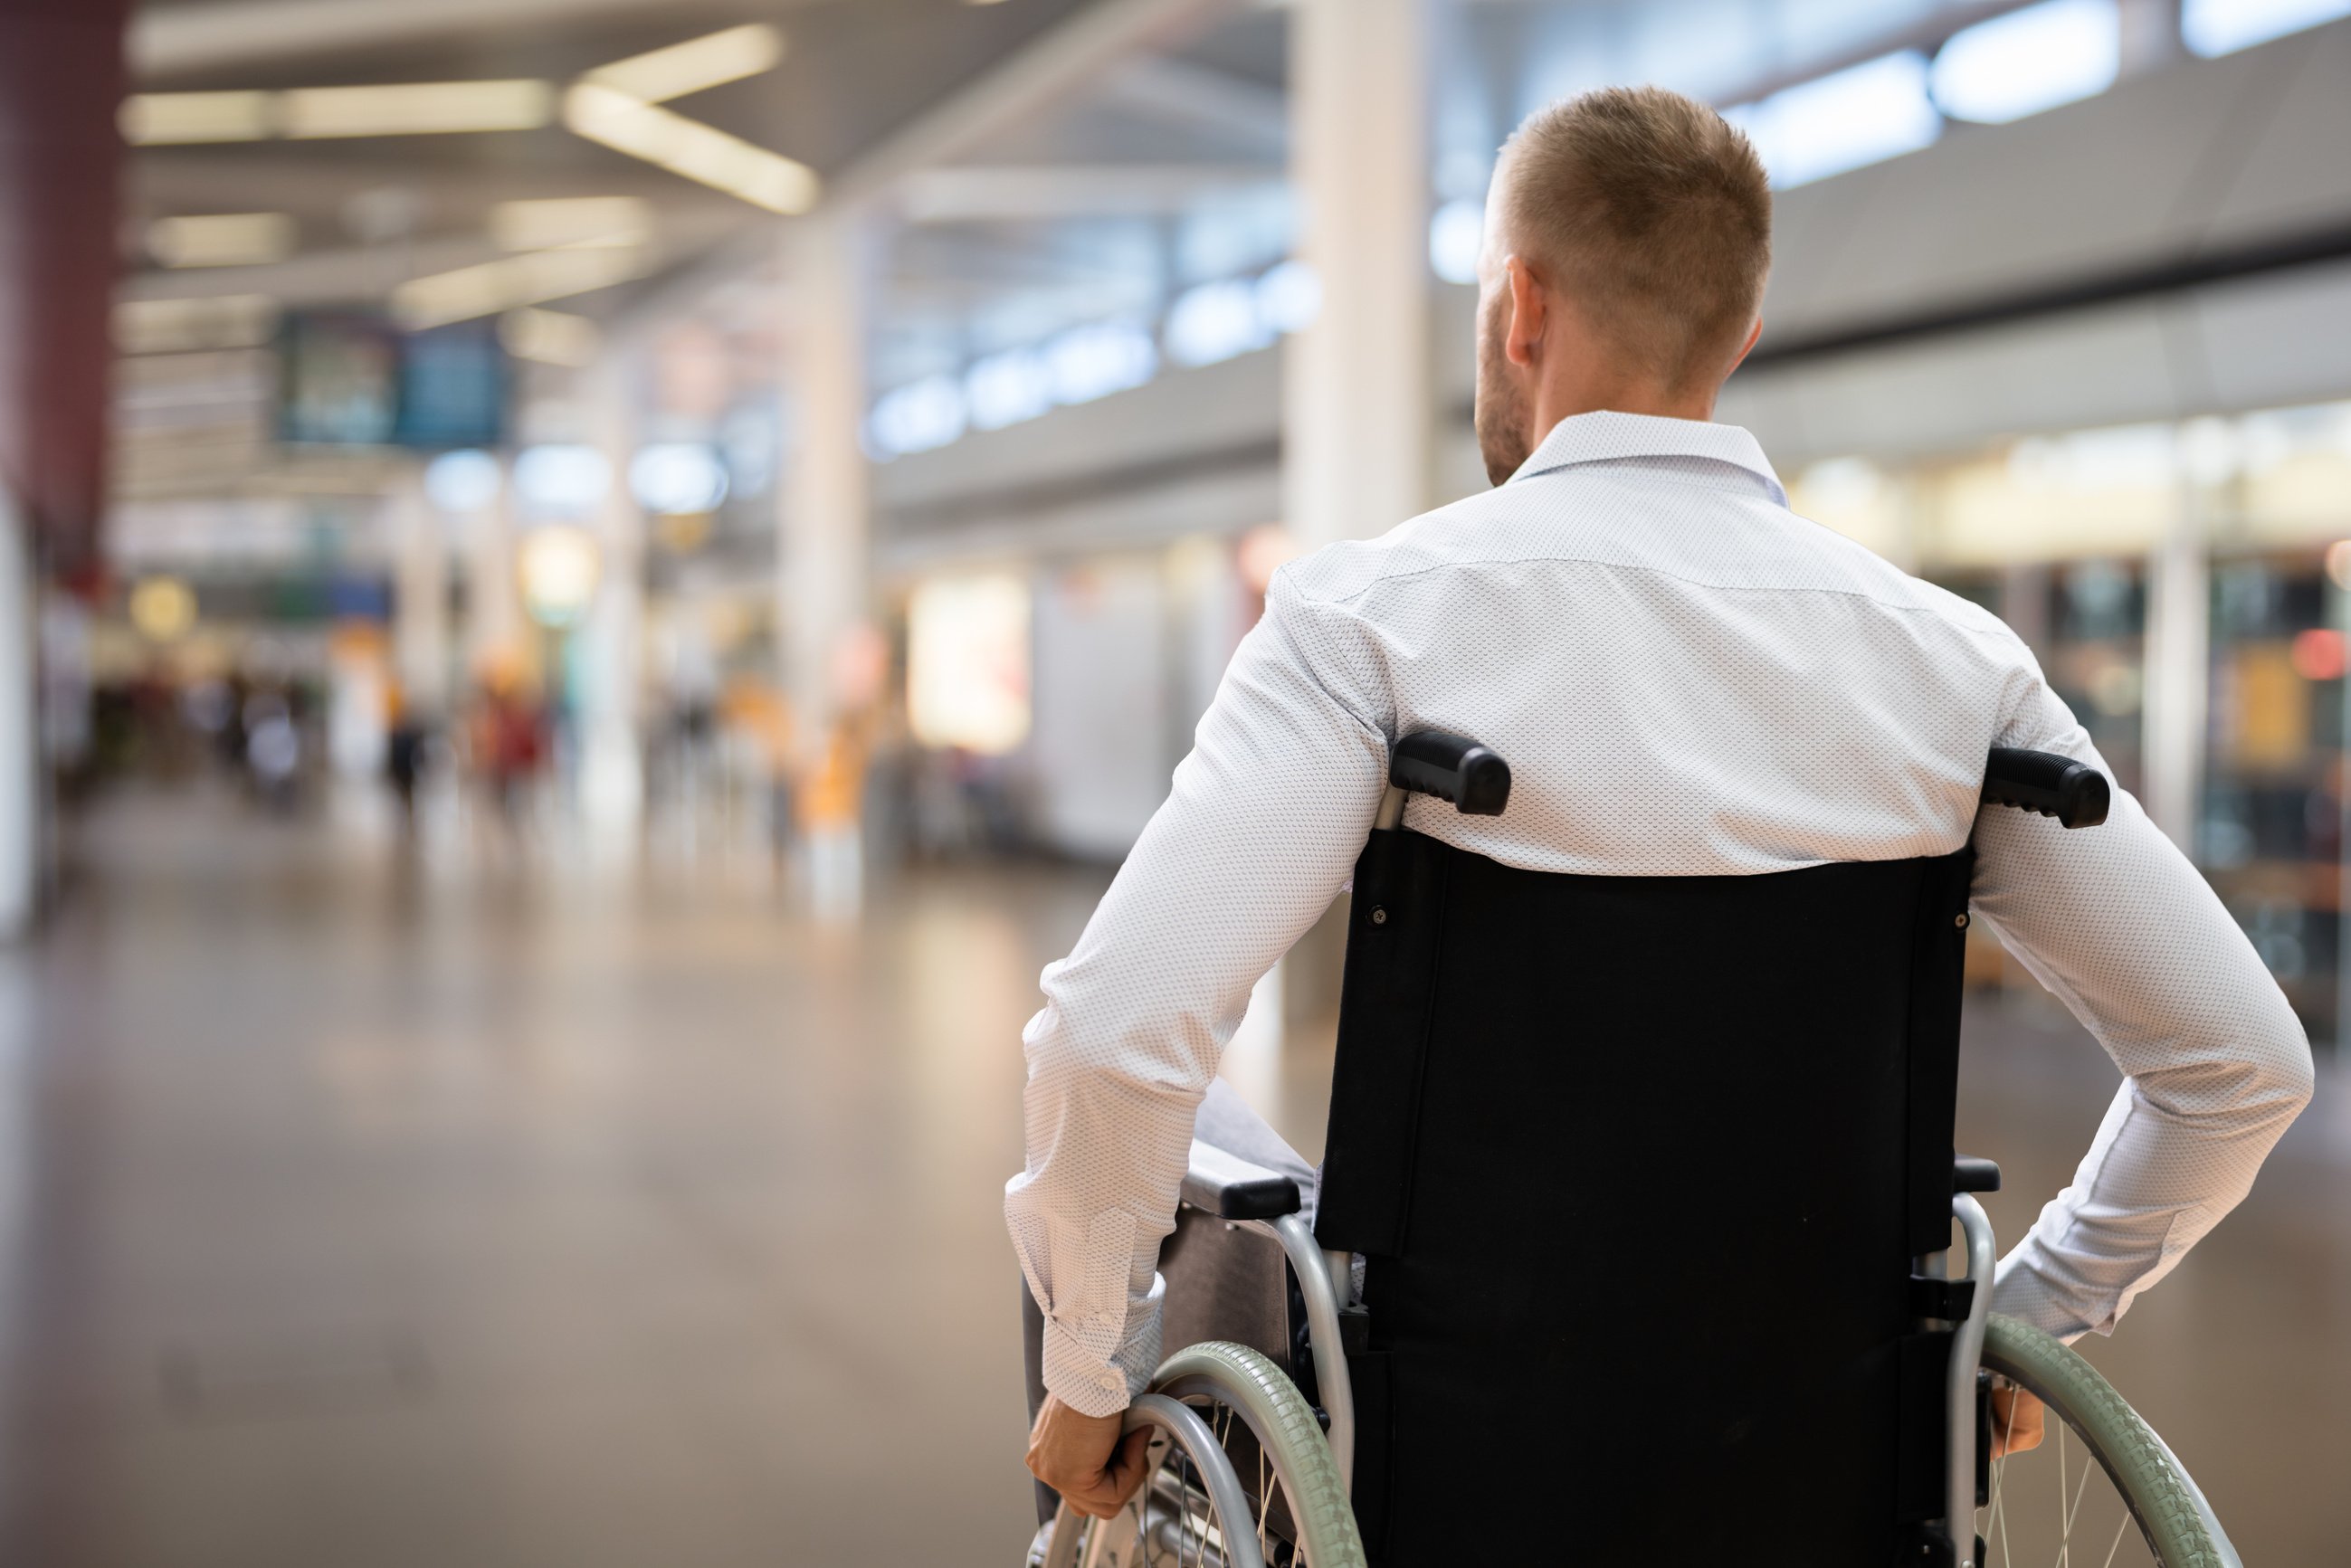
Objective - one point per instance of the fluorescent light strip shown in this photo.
(406, 109)
(222, 239)
(493, 286)
(417, 109)
(549, 337)
(168, 118)
(548, 223)
(689, 148)
(695, 66)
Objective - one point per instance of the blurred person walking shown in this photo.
(1688, 680)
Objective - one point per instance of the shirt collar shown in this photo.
(1597, 437)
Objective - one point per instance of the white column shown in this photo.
(420, 635)
(822, 564)
(822, 579)
(611, 655)
(2179, 641)
(20, 765)
(1356, 401)
(1357, 405)
(494, 623)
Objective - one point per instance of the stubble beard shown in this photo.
(1500, 412)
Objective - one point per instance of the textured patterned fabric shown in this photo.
(1686, 679)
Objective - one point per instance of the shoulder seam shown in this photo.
(1387, 578)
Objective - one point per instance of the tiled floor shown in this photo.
(353, 1218)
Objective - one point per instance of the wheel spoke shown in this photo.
(2080, 1487)
(2117, 1545)
(2064, 1519)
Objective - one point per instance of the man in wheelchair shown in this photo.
(1640, 1140)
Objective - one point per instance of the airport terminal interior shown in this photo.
(589, 591)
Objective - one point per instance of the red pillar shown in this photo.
(61, 83)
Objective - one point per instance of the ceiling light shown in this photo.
(2223, 26)
(492, 287)
(674, 478)
(462, 481)
(417, 109)
(549, 337)
(1216, 321)
(569, 221)
(689, 148)
(1861, 115)
(695, 66)
(222, 239)
(562, 478)
(2057, 52)
(161, 119)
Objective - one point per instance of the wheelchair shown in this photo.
(1461, 1302)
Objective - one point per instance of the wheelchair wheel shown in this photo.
(1240, 1477)
(2046, 1506)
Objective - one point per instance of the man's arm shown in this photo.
(2116, 922)
(1264, 821)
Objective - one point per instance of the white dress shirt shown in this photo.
(1687, 679)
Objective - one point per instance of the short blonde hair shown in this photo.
(1652, 213)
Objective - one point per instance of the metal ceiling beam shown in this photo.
(1059, 67)
(1062, 66)
(963, 193)
(1202, 100)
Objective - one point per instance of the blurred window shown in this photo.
(1004, 389)
(561, 480)
(675, 478)
(462, 481)
(1863, 114)
(1090, 362)
(930, 413)
(2223, 26)
(2029, 60)
(1289, 297)
(1457, 232)
(1215, 321)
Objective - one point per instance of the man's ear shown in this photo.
(1528, 311)
(1746, 348)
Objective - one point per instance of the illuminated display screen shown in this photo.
(348, 378)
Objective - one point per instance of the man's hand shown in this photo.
(1084, 1458)
(2016, 1420)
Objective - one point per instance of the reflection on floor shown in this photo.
(365, 1218)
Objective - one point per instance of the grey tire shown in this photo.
(2171, 1513)
(1253, 1388)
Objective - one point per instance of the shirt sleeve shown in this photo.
(2116, 922)
(1263, 826)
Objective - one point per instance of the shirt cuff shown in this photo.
(1091, 1384)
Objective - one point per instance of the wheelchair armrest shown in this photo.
(1229, 1187)
(1971, 1174)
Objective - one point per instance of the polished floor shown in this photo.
(371, 1213)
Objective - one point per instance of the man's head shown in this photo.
(1627, 238)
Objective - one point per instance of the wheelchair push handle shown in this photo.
(2074, 793)
(1451, 767)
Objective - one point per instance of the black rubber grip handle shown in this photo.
(2074, 793)
(1451, 767)
(1970, 1173)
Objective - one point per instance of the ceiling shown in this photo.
(370, 210)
